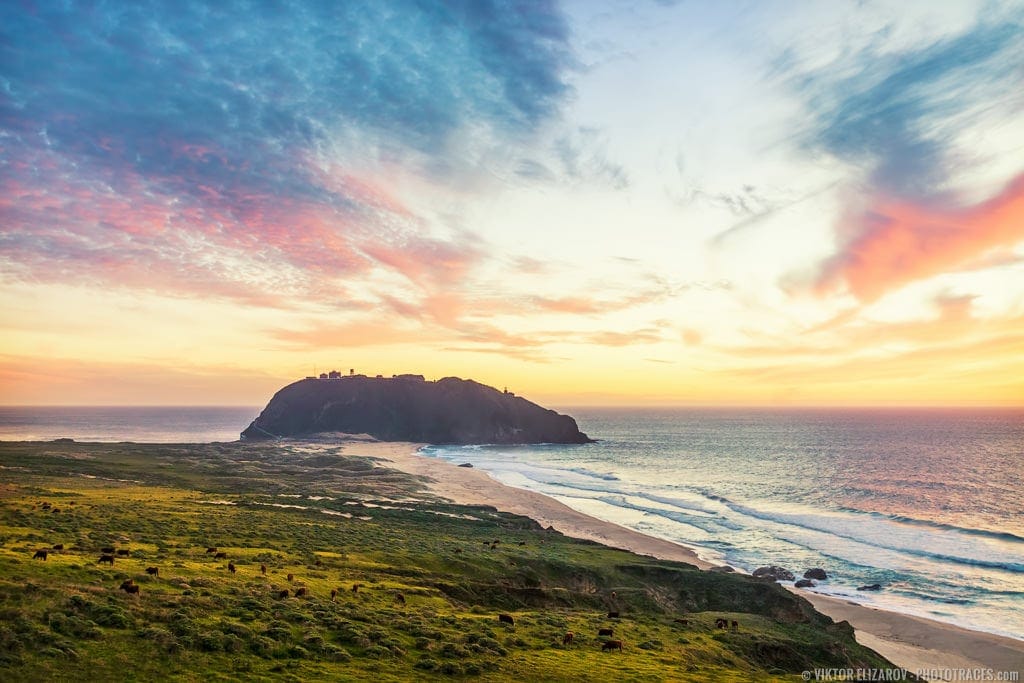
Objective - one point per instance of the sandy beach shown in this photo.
(910, 642)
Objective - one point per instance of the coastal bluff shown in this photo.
(410, 408)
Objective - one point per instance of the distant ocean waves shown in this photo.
(750, 511)
(112, 424)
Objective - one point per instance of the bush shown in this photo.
(451, 668)
(427, 664)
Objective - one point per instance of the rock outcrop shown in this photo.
(816, 573)
(774, 573)
(408, 408)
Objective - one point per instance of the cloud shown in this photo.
(223, 150)
(895, 242)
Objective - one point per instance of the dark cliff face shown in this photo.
(451, 410)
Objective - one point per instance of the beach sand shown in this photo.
(909, 642)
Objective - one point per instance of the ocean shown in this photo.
(927, 503)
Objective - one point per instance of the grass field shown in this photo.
(434, 577)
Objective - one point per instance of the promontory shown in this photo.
(410, 408)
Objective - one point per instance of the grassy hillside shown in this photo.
(433, 577)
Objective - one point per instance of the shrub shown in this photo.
(427, 664)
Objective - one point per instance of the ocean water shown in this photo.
(119, 423)
(928, 503)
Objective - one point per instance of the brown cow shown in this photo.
(263, 569)
(127, 582)
(109, 559)
(123, 552)
(300, 592)
(291, 577)
(611, 645)
(356, 587)
(231, 567)
(153, 571)
(400, 599)
(735, 625)
(567, 638)
(506, 619)
(334, 594)
(283, 593)
(59, 546)
(131, 590)
(220, 556)
(40, 555)
(604, 632)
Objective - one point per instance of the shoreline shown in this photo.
(908, 641)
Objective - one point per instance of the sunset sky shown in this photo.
(589, 202)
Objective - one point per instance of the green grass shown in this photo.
(66, 619)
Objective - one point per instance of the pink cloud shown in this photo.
(896, 242)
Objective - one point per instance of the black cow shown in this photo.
(40, 555)
(59, 546)
(613, 615)
(721, 623)
(123, 552)
(131, 589)
(108, 550)
(300, 592)
(220, 556)
(263, 569)
(109, 559)
(604, 632)
(153, 571)
(231, 567)
(611, 645)
(400, 599)
(506, 619)
(283, 593)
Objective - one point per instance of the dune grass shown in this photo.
(433, 578)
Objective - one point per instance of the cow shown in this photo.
(123, 552)
(567, 638)
(735, 625)
(108, 550)
(46, 506)
(40, 555)
(318, 562)
(231, 567)
(55, 510)
(356, 587)
(506, 619)
(127, 582)
(721, 623)
(263, 569)
(613, 615)
(131, 589)
(604, 632)
(59, 546)
(611, 645)
(220, 556)
(109, 559)
(334, 594)
(210, 551)
(291, 577)
(684, 622)
(300, 592)
(153, 571)
(400, 599)
(283, 593)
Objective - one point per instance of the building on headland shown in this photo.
(337, 374)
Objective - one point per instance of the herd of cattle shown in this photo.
(129, 586)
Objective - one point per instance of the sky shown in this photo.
(591, 202)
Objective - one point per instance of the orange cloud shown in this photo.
(897, 242)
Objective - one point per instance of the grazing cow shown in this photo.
(108, 550)
(356, 587)
(210, 550)
(291, 577)
(400, 599)
(611, 645)
(735, 625)
(334, 594)
(131, 589)
(721, 623)
(55, 510)
(263, 569)
(220, 556)
(300, 592)
(123, 552)
(604, 632)
(231, 567)
(153, 571)
(109, 559)
(283, 593)
(59, 546)
(684, 622)
(40, 555)
(613, 615)
(506, 619)
(567, 638)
